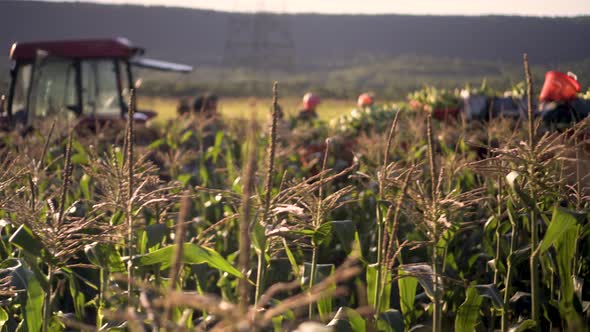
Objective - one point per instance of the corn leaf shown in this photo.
(391, 320)
(24, 238)
(344, 230)
(192, 254)
(77, 297)
(526, 325)
(322, 271)
(357, 322)
(566, 253)
(468, 313)
(258, 238)
(372, 271)
(422, 272)
(291, 258)
(156, 233)
(340, 322)
(3, 317)
(105, 256)
(491, 292)
(407, 294)
(561, 223)
(31, 300)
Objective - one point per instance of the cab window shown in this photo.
(55, 88)
(100, 92)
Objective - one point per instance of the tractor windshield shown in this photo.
(54, 89)
(69, 87)
(100, 89)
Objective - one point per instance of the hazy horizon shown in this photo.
(421, 7)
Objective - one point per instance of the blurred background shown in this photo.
(335, 48)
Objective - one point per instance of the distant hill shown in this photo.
(322, 42)
(198, 36)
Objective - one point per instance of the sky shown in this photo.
(419, 7)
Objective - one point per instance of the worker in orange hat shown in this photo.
(310, 103)
(365, 100)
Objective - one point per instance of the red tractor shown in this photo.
(83, 81)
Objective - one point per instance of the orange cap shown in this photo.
(310, 101)
(366, 99)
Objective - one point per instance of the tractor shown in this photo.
(85, 83)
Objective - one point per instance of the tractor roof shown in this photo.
(88, 48)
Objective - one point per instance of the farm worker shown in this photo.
(365, 100)
(198, 104)
(310, 103)
(211, 104)
(206, 105)
(183, 107)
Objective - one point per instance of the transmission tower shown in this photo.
(259, 41)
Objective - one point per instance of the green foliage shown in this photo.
(407, 294)
(468, 313)
(365, 120)
(187, 268)
(191, 254)
(31, 300)
(431, 98)
(372, 271)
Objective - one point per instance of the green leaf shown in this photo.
(344, 230)
(357, 322)
(77, 297)
(523, 326)
(512, 179)
(3, 317)
(340, 322)
(78, 147)
(468, 313)
(259, 238)
(322, 271)
(422, 272)
(80, 159)
(407, 294)
(291, 258)
(85, 185)
(32, 264)
(56, 325)
(565, 246)
(156, 144)
(191, 254)
(372, 271)
(447, 236)
(186, 136)
(490, 225)
(521, 255)
(323, 234)
(491, 292)
(184, 178)
(105, 256)
(561, 223)
(24, 238)
(156, 233)
(347, 319)
(393, 320)
(31, 300)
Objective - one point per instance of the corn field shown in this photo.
(413, 224)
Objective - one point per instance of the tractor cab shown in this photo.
(83, 81)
